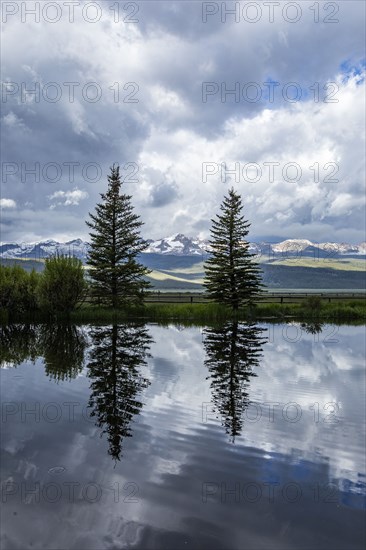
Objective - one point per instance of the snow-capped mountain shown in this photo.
(291, 245)
(299, 245)
(44, 249)
(180, 245)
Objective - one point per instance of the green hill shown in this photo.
(186, 272)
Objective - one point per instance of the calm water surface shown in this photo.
(152, 437)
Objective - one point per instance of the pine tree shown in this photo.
(232, 276)
(116, 274)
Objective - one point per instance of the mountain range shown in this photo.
(180, 245)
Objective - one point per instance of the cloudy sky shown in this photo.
(189, 98)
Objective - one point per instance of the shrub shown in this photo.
(313, 303)
(31, 297)
(18, 289)
(62, 284)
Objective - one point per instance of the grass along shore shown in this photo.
(206, 313)
(211, 312)
(312, 309)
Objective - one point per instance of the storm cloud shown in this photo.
(189, 99)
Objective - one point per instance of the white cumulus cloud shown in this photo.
(68, 198)
(7, 203)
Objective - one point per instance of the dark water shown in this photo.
(151, 437)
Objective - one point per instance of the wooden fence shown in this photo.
(265, 297)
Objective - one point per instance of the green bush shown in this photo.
(313, 303)
(34, 280)
(62, 284)
(18, 289)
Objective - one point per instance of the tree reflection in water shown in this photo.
(117, 354)
(233, 351)
(312, 327)
(63, 350)
(62, 347)
(18, 343)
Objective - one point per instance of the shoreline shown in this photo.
(353, 310)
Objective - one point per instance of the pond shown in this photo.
(167, 437)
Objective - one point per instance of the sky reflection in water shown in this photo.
(144, 436)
